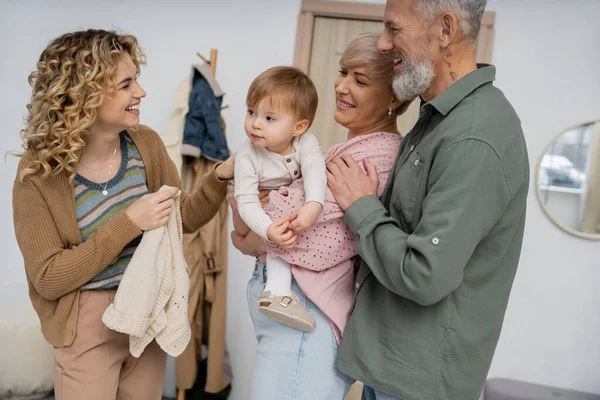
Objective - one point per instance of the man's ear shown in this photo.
(300, 127)
(449, 29)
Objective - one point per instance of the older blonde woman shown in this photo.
(85, 190)
(291, 364)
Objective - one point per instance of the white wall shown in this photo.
(547, 66)
(547, 55)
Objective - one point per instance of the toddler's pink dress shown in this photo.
(323, 258)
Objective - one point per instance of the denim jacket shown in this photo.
(203, 133)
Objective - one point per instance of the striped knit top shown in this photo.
(94, 209)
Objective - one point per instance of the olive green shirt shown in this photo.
(440, 250)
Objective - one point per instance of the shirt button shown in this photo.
(288, 160)
(417, 161)
(295, 172)
(412, 147)
(435, 240)
(357, 285)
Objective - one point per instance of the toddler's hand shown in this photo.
(279, 232)
(305, 216)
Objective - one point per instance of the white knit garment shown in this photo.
(152, 299)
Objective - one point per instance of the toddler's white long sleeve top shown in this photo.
(256, 167)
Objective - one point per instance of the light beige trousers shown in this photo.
(98, 365)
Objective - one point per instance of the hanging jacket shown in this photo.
(206, 255)
(203, 133)
(171, 132)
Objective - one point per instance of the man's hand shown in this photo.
(348, 182)
(305, 216)
(279, 232)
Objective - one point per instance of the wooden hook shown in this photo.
(203, 58)
(213, 61)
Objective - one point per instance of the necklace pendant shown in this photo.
(105, 192)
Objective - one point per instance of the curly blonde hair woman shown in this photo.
(69, 85)
(86, 188)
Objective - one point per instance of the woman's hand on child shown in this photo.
(279, 232)
(251, 244)
(152, 210)
(263, 196)
(305, 216)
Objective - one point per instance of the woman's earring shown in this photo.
(390, 112)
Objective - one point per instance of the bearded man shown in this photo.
(439, 252)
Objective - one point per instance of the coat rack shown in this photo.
(212, 61)
(213, 65)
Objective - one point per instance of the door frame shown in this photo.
(310, 9)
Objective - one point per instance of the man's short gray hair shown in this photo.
(469, 13)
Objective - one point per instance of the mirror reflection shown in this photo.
(568, 180)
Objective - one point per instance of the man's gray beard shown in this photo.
(416, 77)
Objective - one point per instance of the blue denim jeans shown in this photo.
(291, 364)
(370, 393)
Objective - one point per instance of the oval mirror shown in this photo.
(568, 180)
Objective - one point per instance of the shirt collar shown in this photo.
(446, 101)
